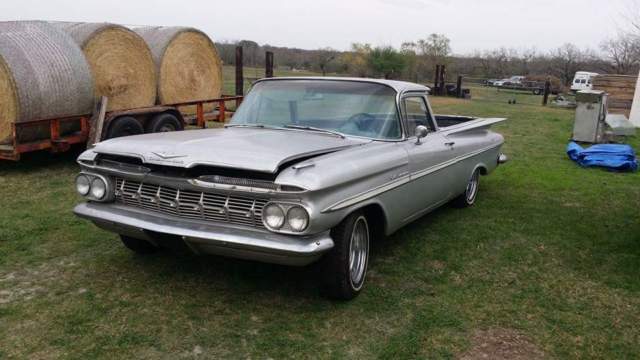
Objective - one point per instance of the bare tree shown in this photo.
(623, 52)
(566, 61)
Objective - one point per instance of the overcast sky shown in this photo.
(470, 24)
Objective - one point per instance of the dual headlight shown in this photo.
(93, 187)
(285, 217)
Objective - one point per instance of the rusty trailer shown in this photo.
(61, 141)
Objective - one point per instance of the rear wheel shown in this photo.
(345, 267)
(124, 126)
(138, 246)
(164, 122)
(468, 198)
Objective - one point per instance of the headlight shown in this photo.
(298, 218)
(98, 189)
(273, 216)
(83, 184)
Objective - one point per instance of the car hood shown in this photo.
(263, 150)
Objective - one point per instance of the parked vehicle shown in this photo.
(514, 80)
(583, 80)
(309, 169)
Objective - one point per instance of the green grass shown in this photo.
(550, 251)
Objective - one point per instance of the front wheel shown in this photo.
(345, 267)
(468, 198)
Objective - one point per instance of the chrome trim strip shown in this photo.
(253, 244)
(402, 181)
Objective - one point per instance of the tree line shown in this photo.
(416, 60)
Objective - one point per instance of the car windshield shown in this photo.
(347, 107)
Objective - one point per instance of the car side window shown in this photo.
(417, 113)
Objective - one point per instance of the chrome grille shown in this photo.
(191, 204)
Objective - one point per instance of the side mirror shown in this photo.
(421, 131)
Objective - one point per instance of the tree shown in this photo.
(436, 48)
(623, 53)
(566, 61)
(356, 60)
(250, 50)
(386, 61)
(323, 58)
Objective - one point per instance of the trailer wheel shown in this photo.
(164, 122)
(124, 126)
(537, 91)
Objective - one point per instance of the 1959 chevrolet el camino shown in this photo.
(308, 169)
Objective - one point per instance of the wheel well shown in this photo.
(377, 220)
(483, 170)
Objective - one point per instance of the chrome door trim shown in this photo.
(402, 181)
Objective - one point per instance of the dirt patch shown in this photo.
(499, 344)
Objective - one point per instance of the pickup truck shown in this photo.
(308, 169)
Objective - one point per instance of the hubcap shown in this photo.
(472, 187)
(167, 128)
(358, 252)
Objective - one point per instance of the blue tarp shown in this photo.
(611, 156)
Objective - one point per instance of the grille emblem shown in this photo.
(168, 156)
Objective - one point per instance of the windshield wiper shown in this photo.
(311, 128)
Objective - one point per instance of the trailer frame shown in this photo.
(58, 142)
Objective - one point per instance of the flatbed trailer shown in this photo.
(60, 141)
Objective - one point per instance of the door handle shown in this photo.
(451, 143)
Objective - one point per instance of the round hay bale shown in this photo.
(189, 67)
(121, 63)
(43, 74)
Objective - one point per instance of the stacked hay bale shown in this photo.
(187, 62)
(43, 74)
(621, 89)
(121, 63)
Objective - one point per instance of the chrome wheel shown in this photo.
(358, 252)
(472, 187)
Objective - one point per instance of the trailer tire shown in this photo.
(124, 126)
(164, 122)
(537, 92)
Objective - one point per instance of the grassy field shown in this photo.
(547, 264)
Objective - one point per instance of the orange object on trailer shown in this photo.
(146, 118)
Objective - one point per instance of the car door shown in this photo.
(428, 158)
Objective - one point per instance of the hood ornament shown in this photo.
(168, 156)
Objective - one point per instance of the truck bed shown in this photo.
(451, 124)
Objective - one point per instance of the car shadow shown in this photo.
(39, 160)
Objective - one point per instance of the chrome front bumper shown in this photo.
(208, 238)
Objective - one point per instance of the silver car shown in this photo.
(309, 169)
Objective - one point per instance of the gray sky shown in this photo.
(310, 24)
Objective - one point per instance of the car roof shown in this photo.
(398, 86)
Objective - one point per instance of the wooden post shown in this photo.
(459, 87)
(436, 80)
(547, 90)
(269, 64)
(97, 122)
(443, 74)
(239, 72)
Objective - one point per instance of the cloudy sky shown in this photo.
(470, 24)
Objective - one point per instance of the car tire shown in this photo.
(164, 122)
(124, 126)
(468, 198)
(138, 246)
(344, 268)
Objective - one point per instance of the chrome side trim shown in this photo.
(402, 181)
